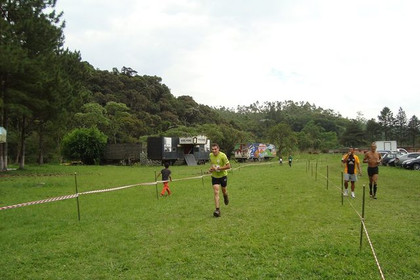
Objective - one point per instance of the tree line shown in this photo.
(50, 98)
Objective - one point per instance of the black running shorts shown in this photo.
(219, 181)
(373, 170)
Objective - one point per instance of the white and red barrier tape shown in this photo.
(365, 230)
(64, 197)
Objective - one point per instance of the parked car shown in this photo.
(387, 157)
(412, 163)
(391, 162)
(383, 152)
(400, 159)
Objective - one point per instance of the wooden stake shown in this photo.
(77, 197)
(327, 177)
(157, 192)
(363, 217)
(342, 189)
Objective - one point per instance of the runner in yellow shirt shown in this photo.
(351, 167)
(219, 166)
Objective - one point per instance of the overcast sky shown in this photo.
(348, 56)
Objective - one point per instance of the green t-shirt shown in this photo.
(219, 161)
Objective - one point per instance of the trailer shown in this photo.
(390, 146)
(190, 150)
(254, 151)
(125, 153)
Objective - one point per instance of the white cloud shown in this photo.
(340, 55)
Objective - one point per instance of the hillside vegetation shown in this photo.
(47, 92)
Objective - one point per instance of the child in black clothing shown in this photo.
(166, 176)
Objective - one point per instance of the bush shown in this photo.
(84, 144)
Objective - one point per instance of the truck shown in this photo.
(254, 151)
(388, 146)
(190, 150)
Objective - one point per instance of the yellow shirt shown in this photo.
(219, 161)
(350, 163)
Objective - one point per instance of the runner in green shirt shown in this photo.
(219, 166)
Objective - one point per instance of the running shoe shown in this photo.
(216, 213)
(226, 199)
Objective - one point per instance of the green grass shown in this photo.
(282, 223)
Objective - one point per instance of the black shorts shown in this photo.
(373, 170)
(219, 181)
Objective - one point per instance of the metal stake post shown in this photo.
(363, 217)
(342, 189)
(157, 195)
(312, 170)
(77, 196)
(327, 177)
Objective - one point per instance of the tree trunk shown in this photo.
(5, 157)
(4, 122)
(40, 145)
(22, 145)
(2, 165)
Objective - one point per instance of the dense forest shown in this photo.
(48, 93)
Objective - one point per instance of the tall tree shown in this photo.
(313, 131)
(401, 126)
(387, 122)
(117, 113)
(354, 135)
(413, 129)
(36, 36)
(92, 115)
(283, 137)
(64, 77)
(373, 130)
(12, 60)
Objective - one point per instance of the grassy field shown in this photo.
(281, 223)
